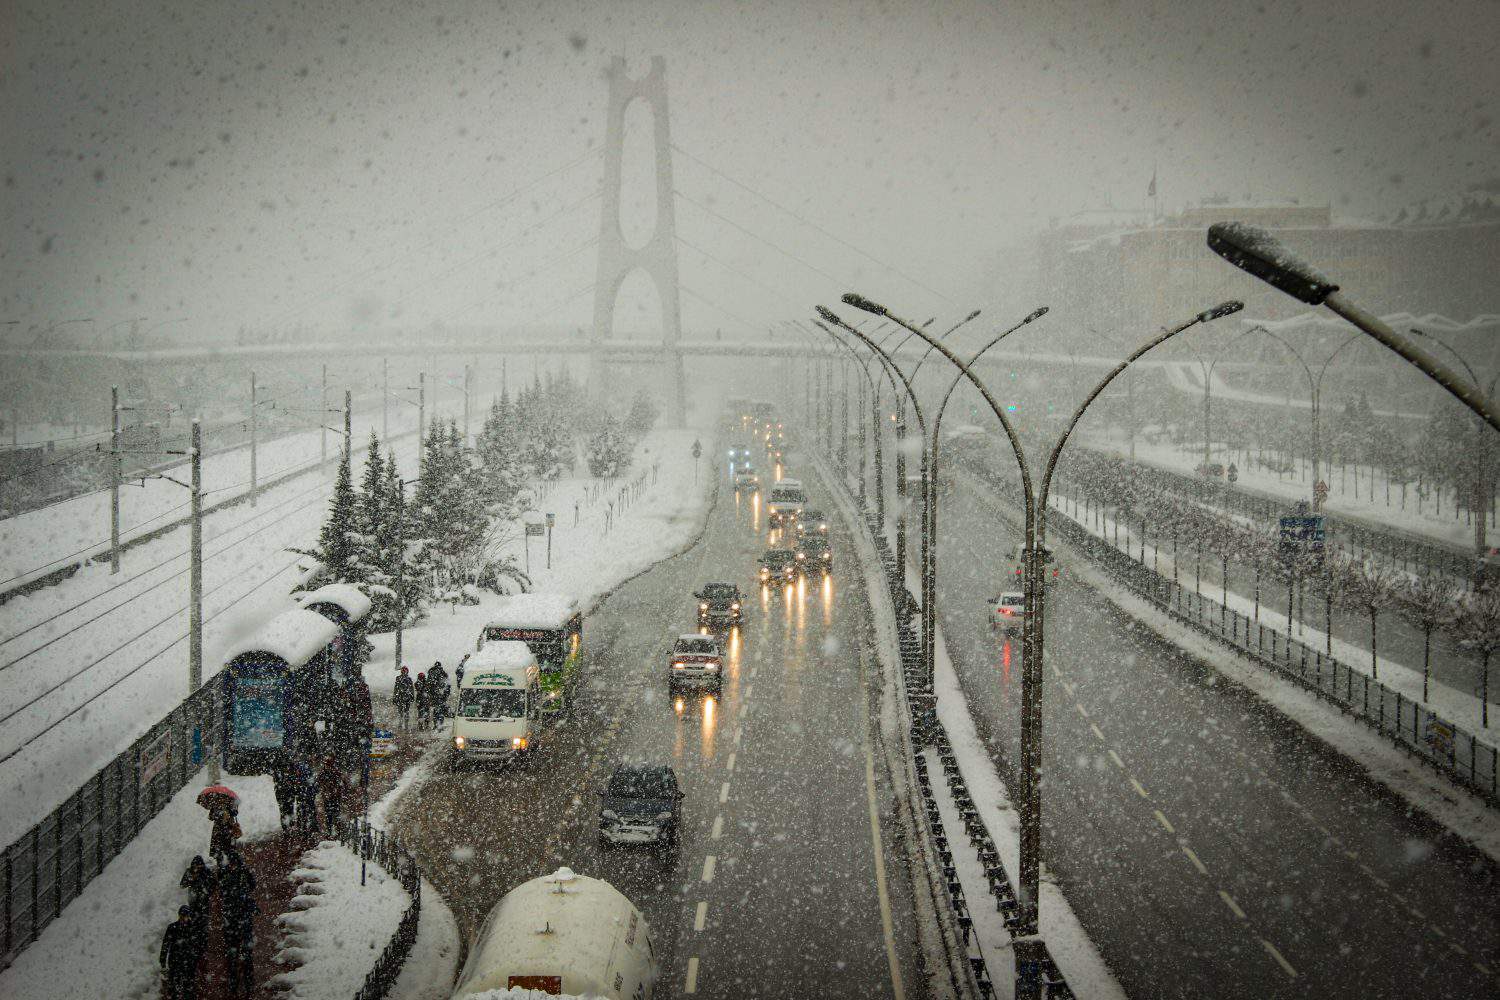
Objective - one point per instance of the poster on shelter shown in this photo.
(258, 723)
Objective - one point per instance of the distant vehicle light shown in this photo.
(459, 742)
(519, 742)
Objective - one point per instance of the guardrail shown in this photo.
(385, 850)
(1448, 748)
(48, 867)
(1403, 549)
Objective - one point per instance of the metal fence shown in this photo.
(48, 867)
(1449, 748)
(1410, 553)
(386, 850)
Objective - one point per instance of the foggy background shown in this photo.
(204, 167)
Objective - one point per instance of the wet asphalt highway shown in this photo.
(772, 890)
(1209, 846)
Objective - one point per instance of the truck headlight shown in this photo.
(459, 742)
(801, 555)
(712, 668)
(828, 555)
(678, 666)
(519, 742)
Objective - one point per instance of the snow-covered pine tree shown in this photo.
(608, 449)
(336, 541)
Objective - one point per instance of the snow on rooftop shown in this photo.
(535, 611)
(295, 636)
(505, 654)
(355, 602)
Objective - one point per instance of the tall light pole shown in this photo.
(1261, 255)
(1033, 627)
(1481, 479)
(254, 493)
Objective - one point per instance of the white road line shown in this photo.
(708, 868)
(748, 689)
(1139, 790)
(729, 764)
(739, 734)
(1233, 906)
(1458, 947)
(1163, 821)
(1057, 671)
(724, 793)
(1095, 730)
(1285, 965)
(1081, 710)
(1072, 691)
(1194, 859)
(701, 916)
(718, 830)
(887, 924)
(691, 986)
(1116, 758)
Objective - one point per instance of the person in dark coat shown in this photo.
(438, 688)
(331, 790)
(181, 950)
(307, 795)
(356, 722)
(285, 785)
(239, 938)
(424, 701)
(226, 831)
(198, 880)
(236, 880)
(458, 671)
(403, 695)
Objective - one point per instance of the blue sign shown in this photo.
(1303, 532)
(196, 753)
(257, 722)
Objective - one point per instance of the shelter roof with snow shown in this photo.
(534, 611)
(354, 602)
(295, 636)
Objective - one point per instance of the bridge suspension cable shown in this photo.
(841, 282)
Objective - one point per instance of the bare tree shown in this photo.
(1375, 587)
(1431, 602)
(1477, 627)
(1332, 579)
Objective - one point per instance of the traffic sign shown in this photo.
(697, 448)
(1303, 531)
(536, 529)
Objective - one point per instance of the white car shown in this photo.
(1008, 612)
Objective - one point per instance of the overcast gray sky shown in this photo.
(219, 164)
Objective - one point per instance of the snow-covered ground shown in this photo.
(1422, 518)
(1460, 707)
(335, 929)
(105, 942)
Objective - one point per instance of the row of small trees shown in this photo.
(447, 538)
(1431, 602)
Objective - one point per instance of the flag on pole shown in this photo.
(1151, 189)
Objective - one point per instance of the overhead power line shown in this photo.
(842, 283)
(813, 225)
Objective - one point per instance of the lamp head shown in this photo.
(828, 314)
(1034, 314)
(971, 315)
(860, 302)
(1220, 311)
(1257, 252)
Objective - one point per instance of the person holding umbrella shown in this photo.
(221, 803)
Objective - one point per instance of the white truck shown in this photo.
(566, 935)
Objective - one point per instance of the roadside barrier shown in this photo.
(384, 849)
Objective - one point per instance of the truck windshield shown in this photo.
(492, 703)
(788, 496)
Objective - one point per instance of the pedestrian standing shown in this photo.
(424, 701)
(284, 784)
(237, 879)
(331, 789)
(239, 939)
(402, 696)
(437, 687)
(458, 672)
(576, 512)
(199, 881)
(226, 831)
(179, 957)
(307, 796)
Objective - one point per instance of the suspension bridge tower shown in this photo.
(657, 256)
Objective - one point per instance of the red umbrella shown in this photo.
(218, 795)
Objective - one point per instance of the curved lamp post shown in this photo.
(1033, 621)
(1314, 392)
(862, 365)
(1258, 253)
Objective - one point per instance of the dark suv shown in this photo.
(719, 604)
(778, 566)
(814, 555)
(640, 805)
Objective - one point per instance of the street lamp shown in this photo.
(1033, 619)
(1480, 501)
(1258, 253)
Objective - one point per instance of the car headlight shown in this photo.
(610, 815)
(828, 555)
(459, 742)
(662, 817)
(712, 668)
(519, 742)
(735, 606)
(703, 606)
(678, 666)
(801, 555)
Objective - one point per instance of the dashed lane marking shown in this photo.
(749, 688)
(729, 764)
(1072, 691)
(739, 734)
(691, 986)
(1194, 859)
(718, 829)
(724, 793)
(708, 867)
(1081, 710)
(1160, 818)
(701, 916)
(1116, 758)
(1095, 730)
(1285, 965)
(1139, 789)
(1233, 906)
